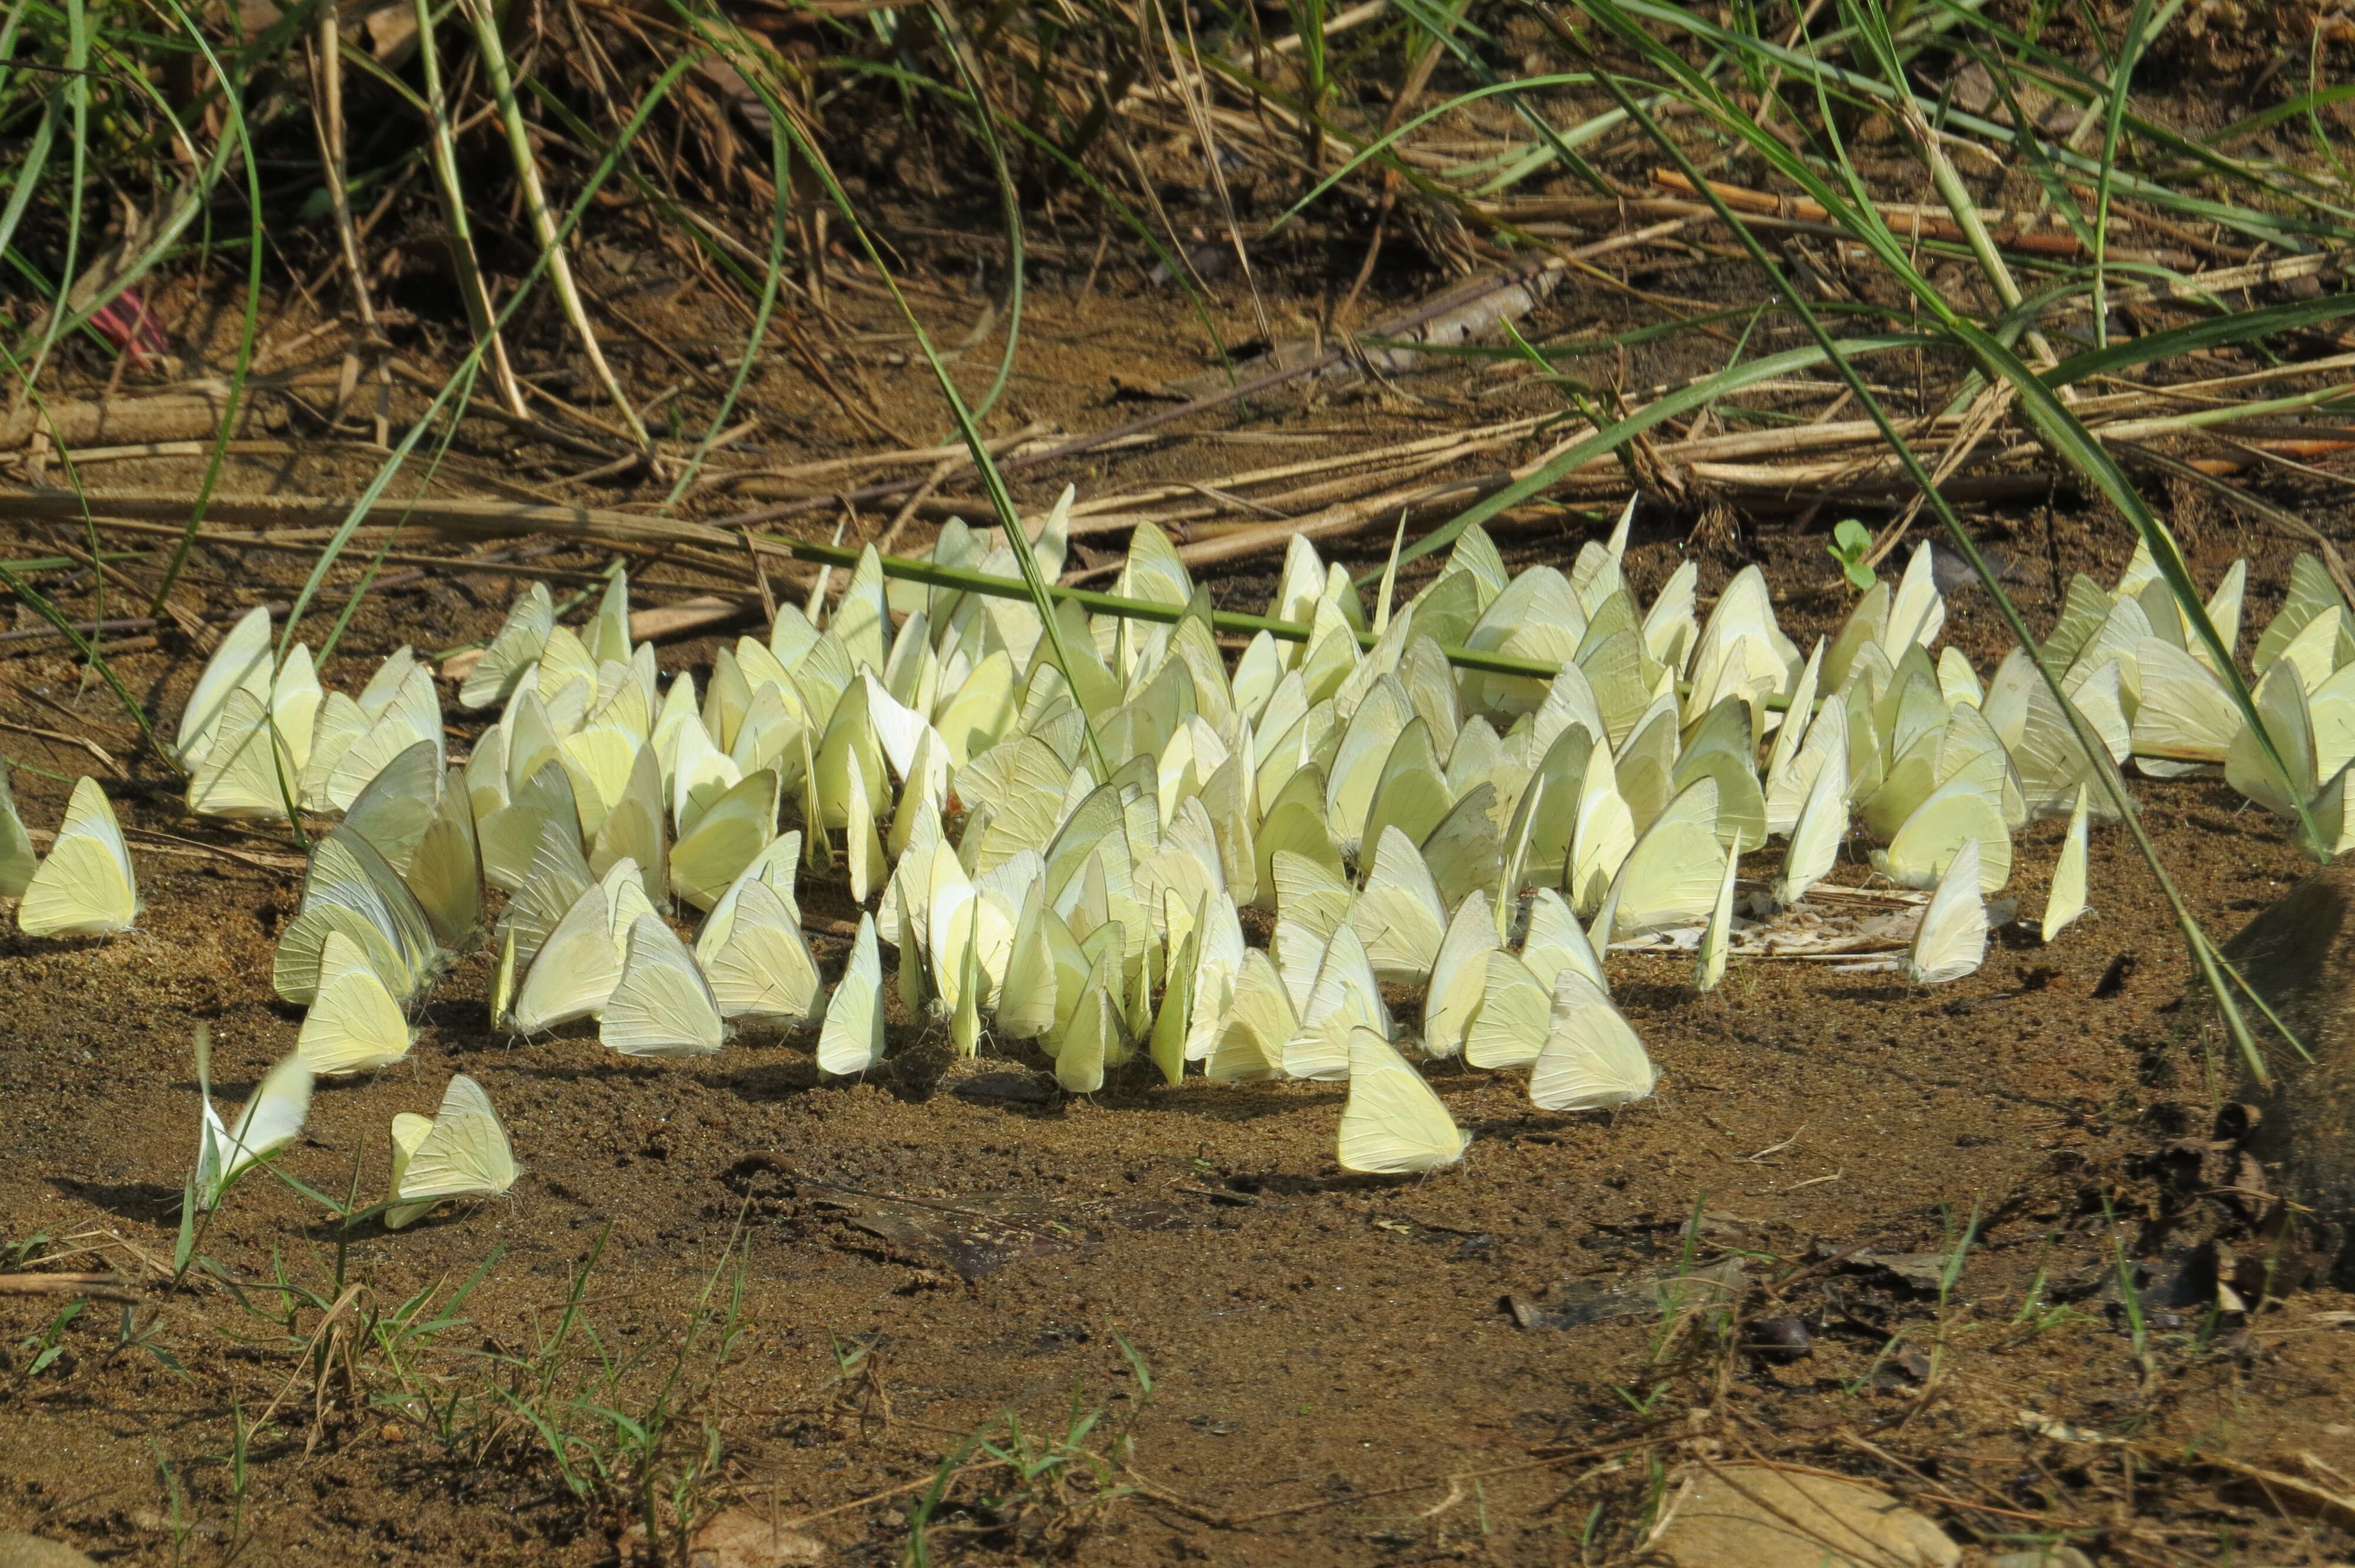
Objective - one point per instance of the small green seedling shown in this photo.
(1850, 540)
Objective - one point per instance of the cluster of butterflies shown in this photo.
(1059, 825)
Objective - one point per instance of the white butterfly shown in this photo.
(1960, 811)
(761, 967)
(1258, 1023)
(1821, 827)
(17, 857)
(851, 1040)
(84, 887)
(349, 888)
(1510, 1030)
(559, 874)
(461, 1153)
(1399, 914)
(575, 971)
(1671, 875)
(445, 872)
(270, 1121)
(1393, 1123)
(1709, 963)
(399, 804)
(288, 693)
(724, 837)
(513, 653)
(1094, 1038)
(2066, 900)
(353, 1025)
(1951, 941)
(1458, 976)
(249, 772)
(1344, 996)
(663, 1007)
(399, 708)
(1592, 1060)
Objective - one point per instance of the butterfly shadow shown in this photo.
(14, 945)
(331, 1229)
(1272, 1184)
(614, 1069)
(1884, 993)
(1644, 995)
(142, 1203)
(454, 1021)
(774, 1074)
(1238, 1102)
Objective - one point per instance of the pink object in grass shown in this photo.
(127, 322)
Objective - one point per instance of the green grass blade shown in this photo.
(2113, 124)
(780, 171)
(2233, 330)
(1234, 622)
(462, 377)
(1178, 272)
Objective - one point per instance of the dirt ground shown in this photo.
(916, 1322)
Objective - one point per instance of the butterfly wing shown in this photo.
(1258, 1023)
(764, 969)
(353, 1024)
(393, 813)
(852, 1039)
(1400, 914)
(1095, 1029)
(1953, 814)
(1510, 1030)
(1308, 895)
(17, 858)
(2067, 899)
(1708, 965)
(270, 1121)
(662, 1006)
(465, 1155)
(1592, 1059)
(1394, 1124)
(575, 971)
(247, 772)
(445, 873)
(736, 827)
(513, 653)
(1458, 976)
(1817, 834)
(1671, 875)
(1465, 850)
(78, 891)
(1345, 996)
(1951, 941)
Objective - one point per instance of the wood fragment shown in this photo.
(1906, 223)
(93, 1287)
(692, 616)
(188, 414)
